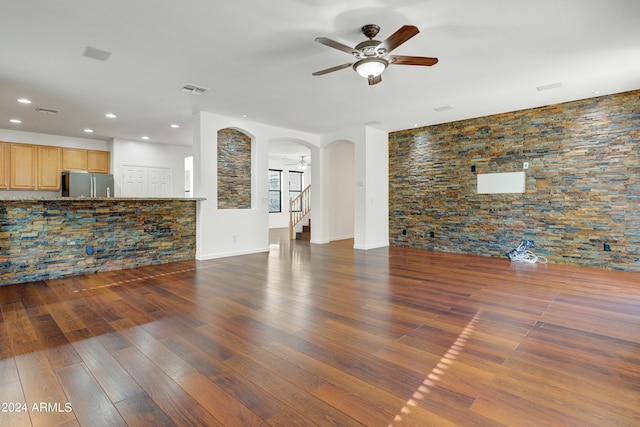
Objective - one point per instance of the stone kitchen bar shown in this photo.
(47, 238)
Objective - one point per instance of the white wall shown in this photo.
(148, 154)
(371, 187)
(376, 190)
(341, 190)
(8, 135)
(230, 232)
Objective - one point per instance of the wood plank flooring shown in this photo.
(322, 335)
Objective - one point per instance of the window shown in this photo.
(295, 187)
(275, 191)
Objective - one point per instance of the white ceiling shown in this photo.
(257, 57)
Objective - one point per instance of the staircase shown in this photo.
(299, 209)
(305, 234)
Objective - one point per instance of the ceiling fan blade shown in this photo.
(412, 60)
(375, 80)
(397, 38)
(332, 69)
(336, 45)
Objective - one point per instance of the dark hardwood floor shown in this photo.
(324, 335)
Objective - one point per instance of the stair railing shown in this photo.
(299, 207)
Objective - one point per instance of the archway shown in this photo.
(287, 178)
(340, 189)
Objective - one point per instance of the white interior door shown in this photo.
(145, 181)
(159, 182)
(133, 181)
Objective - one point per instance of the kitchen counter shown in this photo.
(50, 237)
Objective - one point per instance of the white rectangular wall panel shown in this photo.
(498, 183)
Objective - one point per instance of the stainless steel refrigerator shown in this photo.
(82, 184)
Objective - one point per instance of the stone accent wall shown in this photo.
(234, 170)
(45, 239)
(582, 185)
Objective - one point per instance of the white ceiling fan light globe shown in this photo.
(370, 67)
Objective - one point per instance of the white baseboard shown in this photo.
(319, 242)
(204, 257)
(350, 236)
(372, 246)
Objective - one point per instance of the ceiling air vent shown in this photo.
(95, 53)
(549, 86)
(193, 89)
(47, 110)
(443, 108)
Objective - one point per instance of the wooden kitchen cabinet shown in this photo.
(5, 165)
(49, 168)
(39, 167)
(23, 167)
(79, 159)
(98, 161)
(74, 159)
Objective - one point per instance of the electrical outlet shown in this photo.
(432, 234)
(525, 165)
(89, 250)
(607, 247)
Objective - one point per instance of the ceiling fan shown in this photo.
(302, 163)
(372, 57)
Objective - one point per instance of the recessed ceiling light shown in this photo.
(15, 121)
(88, 130)
(145, 137)
(244, 115)
(175, 126)
(595, 92)
(110, 115)
(24, 101)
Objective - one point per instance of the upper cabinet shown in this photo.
(98, 161)
(74, 159)
(23, 166)
(78, 159)
(39, 167)
(5, 162)
(49, 167)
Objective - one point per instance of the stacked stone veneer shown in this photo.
(582, 185)
(234, 170)
(49, 238)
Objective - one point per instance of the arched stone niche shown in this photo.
(234, 169)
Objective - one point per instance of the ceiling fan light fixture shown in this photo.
(370, 67)
(302, 164)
